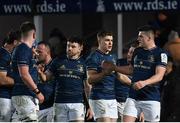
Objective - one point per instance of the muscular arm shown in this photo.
(94, 76)
(124, 79)
(127, 70)
(5, 80)
(109, 66)
(160, 71)
(27, 79)
(87, 87)
(45, 76)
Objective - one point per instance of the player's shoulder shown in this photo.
(159, 50)
(92, 55)
(3, 51)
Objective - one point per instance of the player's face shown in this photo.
(73, 49)
(143, 39)
(106, 43)
(42, 52)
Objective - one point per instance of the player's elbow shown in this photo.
(23, 76)
(160, 78)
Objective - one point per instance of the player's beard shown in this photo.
(70, 54)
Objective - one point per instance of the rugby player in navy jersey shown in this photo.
(70, 74)
(44, 60)
(148, 68)
(25, 94)
(102, 98)
(6, 80)
(121, 87)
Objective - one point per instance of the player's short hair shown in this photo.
(12, 36)
(46, 44)
(76, 39)
(26, 27)
(104, 33)
(148, 29)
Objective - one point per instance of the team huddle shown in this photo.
(36, 87)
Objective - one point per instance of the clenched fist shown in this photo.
(107, 67)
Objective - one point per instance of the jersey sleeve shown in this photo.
(24, 56)
(92, 63)
(162, 59)
(4, 62)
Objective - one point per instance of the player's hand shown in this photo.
(107, 67)
(139, 85)
(89, 114)
(40, 68)
(40, 97)
(141, 117)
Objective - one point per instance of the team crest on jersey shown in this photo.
(10, 63)
(80, 68)
(141, 62)
(163, 58)
(62, 67)
(151, 58)
(34, 65)
(70, 72)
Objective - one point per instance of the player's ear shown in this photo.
(81, 47)
(34, 35)
(15, 42)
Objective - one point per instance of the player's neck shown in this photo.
(103, 51)
(150, 46)
(28, 42)
(8, 47)
(73, 57)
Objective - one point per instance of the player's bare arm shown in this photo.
(6, 80)
(27, 79)
(160, 71)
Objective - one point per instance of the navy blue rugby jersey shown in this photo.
(48, 90)
(22, 55)
(121, 89)
(5, 66)
(105, 88)
(70, 75)
(145, 63)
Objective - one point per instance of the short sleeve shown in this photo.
(92, 63)
(162, 59)
(4, 61)
(24, 56)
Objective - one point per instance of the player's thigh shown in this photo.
(60, 112)
(26, 107)
(151, 110)
(104, 108)
(76, 112)
(5, 110)
(131, 108)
